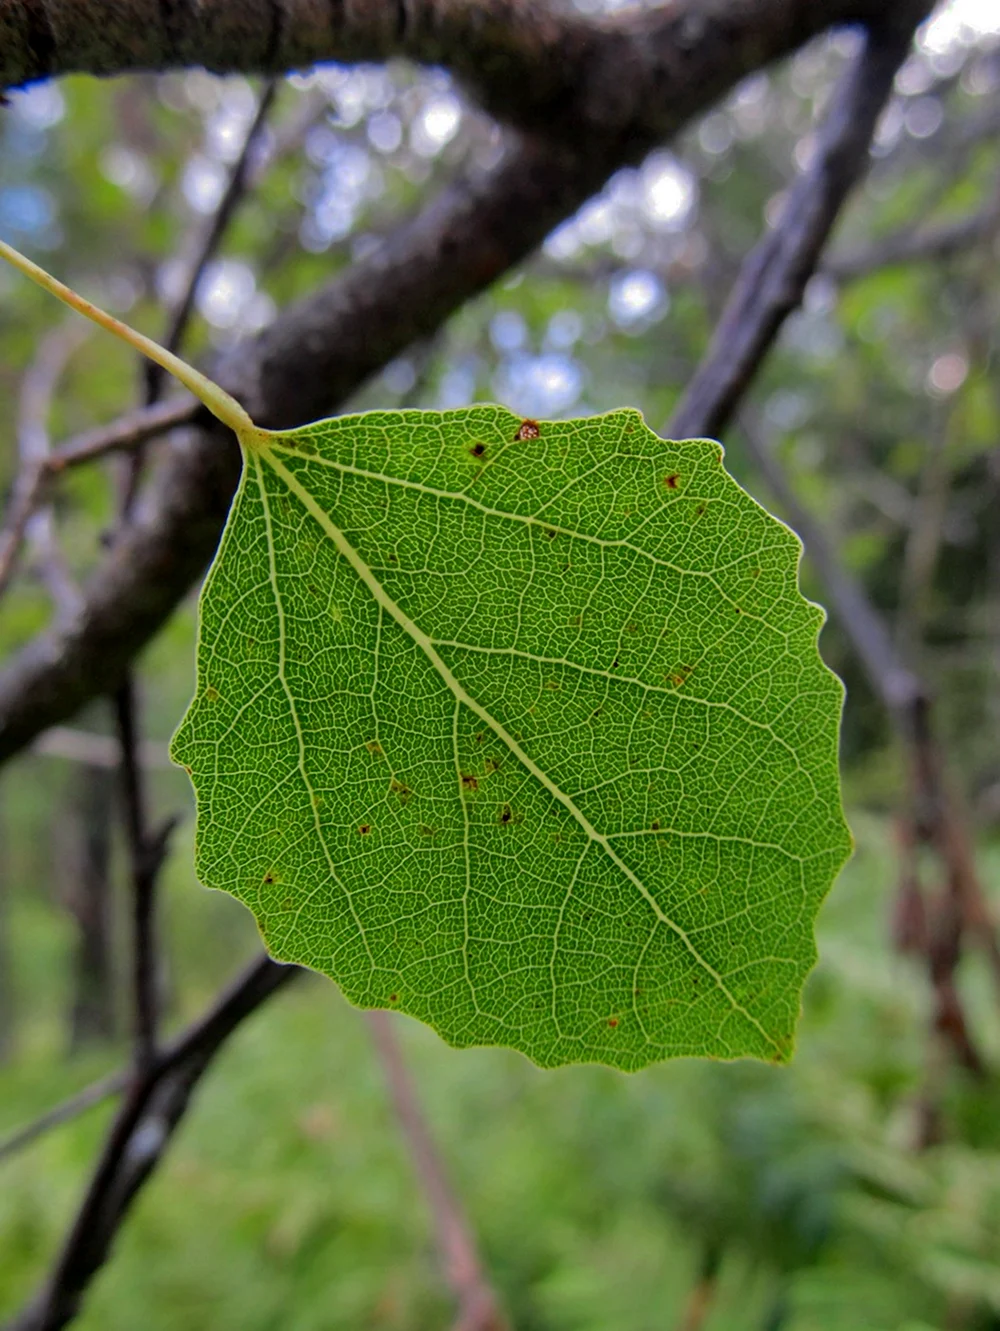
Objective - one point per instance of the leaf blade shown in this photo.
(508, 600)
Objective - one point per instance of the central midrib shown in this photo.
(421, 640)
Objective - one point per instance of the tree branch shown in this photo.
(919, 244)
(478, 1306)
(537, 65)
(319, 351)
(130, 430)
(71, 1108)
(773, 278)
(143, 1126)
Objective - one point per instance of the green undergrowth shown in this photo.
(288, 1201)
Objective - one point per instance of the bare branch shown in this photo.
(919, 245)
(78, 1104)
(154, 1104)
(38, 388)
(146, 852)
(478, 1307)
(127, 432)
(93, 750)
(774, 276)
(240, 177)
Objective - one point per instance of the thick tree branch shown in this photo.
(321, 350)
(531, 62)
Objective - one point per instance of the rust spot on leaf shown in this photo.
(528, 430)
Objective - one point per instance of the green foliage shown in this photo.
(520, 729)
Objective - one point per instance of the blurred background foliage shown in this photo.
(689, 1196)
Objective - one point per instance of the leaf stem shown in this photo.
(216, 399)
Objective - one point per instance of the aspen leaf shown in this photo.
(516, 726)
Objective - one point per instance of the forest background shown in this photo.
(333, 1171)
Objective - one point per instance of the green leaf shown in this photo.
(521, 730)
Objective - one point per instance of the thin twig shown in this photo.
(129, 431)
(38, 388)
(78, 1104)
(154, 1104)
(240, 178)
(146, 851)
(478, 1306)
(919, 244)
(93, 750)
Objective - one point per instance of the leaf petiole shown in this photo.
(224, 407)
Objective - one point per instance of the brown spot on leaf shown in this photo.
(425, 830)
(394, 998)
(477, 450)
(612, 1022)
(656, 827)
(364, 829)
(506, 815)
(469, 782)
(373, 746)
(528, 430)
(671, 480)
(399, 788)
(492, 765)
(700, 510)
